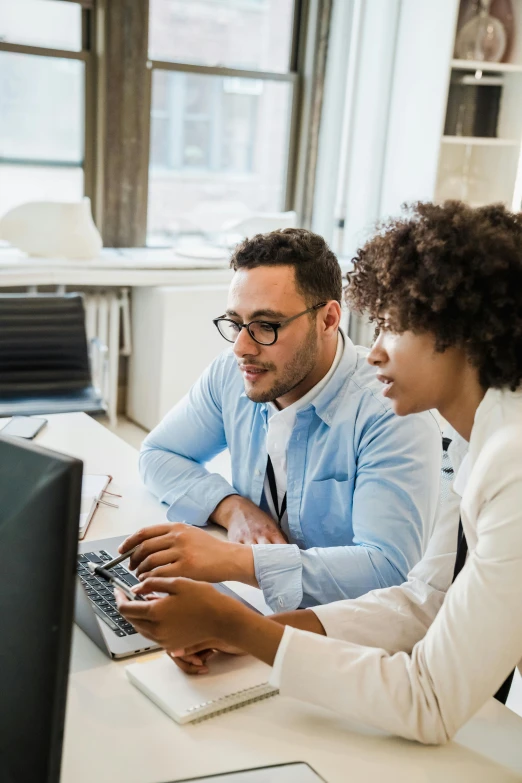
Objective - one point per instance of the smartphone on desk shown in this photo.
(23, 427)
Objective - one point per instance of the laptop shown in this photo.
(96, 612)
(40, 503)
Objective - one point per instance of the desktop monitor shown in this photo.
(39, 510)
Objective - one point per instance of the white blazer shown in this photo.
(418, 660)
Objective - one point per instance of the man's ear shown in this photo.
(331, 317)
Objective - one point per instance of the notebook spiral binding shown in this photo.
(233, 701)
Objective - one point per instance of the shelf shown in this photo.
(479, 65)
(480, 141)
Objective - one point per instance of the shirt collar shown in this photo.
(314, 392)
(330, 395)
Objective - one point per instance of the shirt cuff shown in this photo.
(278, 569)
(198, 503)
(277, 668)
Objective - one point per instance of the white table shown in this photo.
(114, 734)
(120, 267)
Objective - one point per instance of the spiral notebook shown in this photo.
(232, 682)
(93, 487)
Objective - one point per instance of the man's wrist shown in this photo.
(225, 510)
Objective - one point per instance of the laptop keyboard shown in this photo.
(101, 593)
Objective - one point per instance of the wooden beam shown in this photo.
(123, 150)
(324, 17)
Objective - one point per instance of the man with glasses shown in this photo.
(332, 495)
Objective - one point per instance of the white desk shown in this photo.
(114, 267)
(115, 735)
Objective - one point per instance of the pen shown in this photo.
(114, 580)
(117, 560)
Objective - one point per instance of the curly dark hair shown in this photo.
(318, 275)
(454, 271)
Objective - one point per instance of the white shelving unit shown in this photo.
(480, 169)
(479, 65)
(480, 141)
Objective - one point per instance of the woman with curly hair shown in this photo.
(444, 286)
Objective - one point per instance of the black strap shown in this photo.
(462, 550)
(273, 490)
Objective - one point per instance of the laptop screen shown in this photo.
(39, 511)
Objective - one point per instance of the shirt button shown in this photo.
(280, 601)
(258, 472)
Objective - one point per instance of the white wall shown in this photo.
(383, 115)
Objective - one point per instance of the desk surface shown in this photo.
(114, 734)
(114, 267)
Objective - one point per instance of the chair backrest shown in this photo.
(43, 344)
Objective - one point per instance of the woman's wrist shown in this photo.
(240, 563)
(251, 632)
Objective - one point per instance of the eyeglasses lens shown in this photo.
(228, 329)
(262, 333)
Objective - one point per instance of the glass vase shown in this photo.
(483, 38)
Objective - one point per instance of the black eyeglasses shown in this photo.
(262, 332)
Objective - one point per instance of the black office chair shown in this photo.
(44, 356)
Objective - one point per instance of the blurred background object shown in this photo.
(45, 360)
(501, 10)
(473, 104)
(483, 37)
(51, 229)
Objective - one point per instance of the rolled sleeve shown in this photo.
(278, 570)
(197, 504)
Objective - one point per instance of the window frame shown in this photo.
(214, 118)
(292, 77)
(119, 191)
(85, 55)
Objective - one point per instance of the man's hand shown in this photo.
(192, 614)
(246, 523)
(181, 550)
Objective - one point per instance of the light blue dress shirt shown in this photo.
(362, 483)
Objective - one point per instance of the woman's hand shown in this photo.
(192, 613)
(194, 660)
(189, 613)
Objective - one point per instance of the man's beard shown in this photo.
(294, 373)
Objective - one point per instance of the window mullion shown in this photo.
(215, 70)
(42, 51)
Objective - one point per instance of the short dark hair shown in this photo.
(453, 271)
(318, 275)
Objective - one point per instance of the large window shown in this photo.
(223, 89)
(42, 101)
